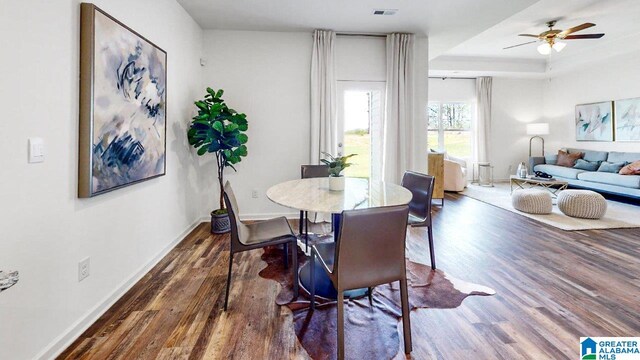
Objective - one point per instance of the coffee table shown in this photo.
(552, 186)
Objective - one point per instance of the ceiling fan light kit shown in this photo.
(551, 38)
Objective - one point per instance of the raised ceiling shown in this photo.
(447, 23)
(618, 19)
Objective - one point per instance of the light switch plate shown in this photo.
(36, 150)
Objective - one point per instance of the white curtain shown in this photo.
(398, 145)
(324, 132)
(483, 119)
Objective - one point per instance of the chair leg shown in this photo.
(340, 325)
(406, 320)
(312, 275)
(431, 250)
(226, 295)
(294, 259)
(301, 222)
(306, 231)
(286, 255)
(370, 295)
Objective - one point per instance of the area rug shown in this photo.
(371, 332)
(619, 215)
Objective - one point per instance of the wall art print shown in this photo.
(594, 122)
(123, 79)
(627, 119)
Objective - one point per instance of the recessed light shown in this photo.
(385, 11)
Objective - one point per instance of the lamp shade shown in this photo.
(538, 129)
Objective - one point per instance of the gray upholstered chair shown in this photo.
(308, 172)
(421, 186)
(369, 251)
(245, 237)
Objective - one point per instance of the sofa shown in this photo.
(603, 182)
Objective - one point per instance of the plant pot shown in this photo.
(220, 223)
(336, 183)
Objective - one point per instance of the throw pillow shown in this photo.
(631, 169)
(586, 165)
(568, 160)
(611, 167)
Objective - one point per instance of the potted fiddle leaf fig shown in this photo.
(219, 130)
(336, 165)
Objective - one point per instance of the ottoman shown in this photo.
(584, 204)
(532, 201)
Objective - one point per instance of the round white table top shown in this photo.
(314, 195)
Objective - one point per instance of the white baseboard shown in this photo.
(58, 345)
(249, 217)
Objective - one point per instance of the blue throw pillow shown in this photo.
(586, 165)
(611, 167)
(551, 159)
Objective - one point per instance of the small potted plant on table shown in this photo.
(219, 130)
(336, 165)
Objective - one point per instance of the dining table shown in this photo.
(314, 195)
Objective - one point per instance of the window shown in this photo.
(450, 126)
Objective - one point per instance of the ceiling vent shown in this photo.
(385, 11)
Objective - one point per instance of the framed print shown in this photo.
(594, 122)
(627, 120)
(123, 97)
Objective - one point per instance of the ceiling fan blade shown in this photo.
(585, 36)
(509, 47)
(529, 35)
(564, 33)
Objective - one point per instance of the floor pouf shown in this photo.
(584, 204)
(532, 201)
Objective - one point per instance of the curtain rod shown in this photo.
(361, 34)
(452, 78)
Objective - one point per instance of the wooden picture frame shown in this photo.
(594, 121)
(123, 112)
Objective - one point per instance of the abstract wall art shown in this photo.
(594, 122)
(627, 119)
(123, 79)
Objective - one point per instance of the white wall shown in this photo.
(612, 79)
(44, 228)
(361, 58)
(515, 102)
(265, 75)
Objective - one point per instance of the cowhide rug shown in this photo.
(370, 332)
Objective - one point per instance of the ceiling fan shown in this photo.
(551, 38)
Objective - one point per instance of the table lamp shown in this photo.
(536, 130)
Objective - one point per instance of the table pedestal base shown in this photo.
(324, 287)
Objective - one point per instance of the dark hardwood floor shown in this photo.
(552, 286)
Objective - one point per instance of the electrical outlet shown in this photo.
(254, 193)
(84, 269)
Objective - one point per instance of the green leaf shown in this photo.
(242, 138)
(241, 151)
(219, 93)
(202, 150)
(202, 105)
(230, 128)
(218, 126)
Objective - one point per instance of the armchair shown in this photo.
(455, 174)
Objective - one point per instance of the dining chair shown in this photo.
(369, 251)
(245, 237)
(308, 172)
(421, 186)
